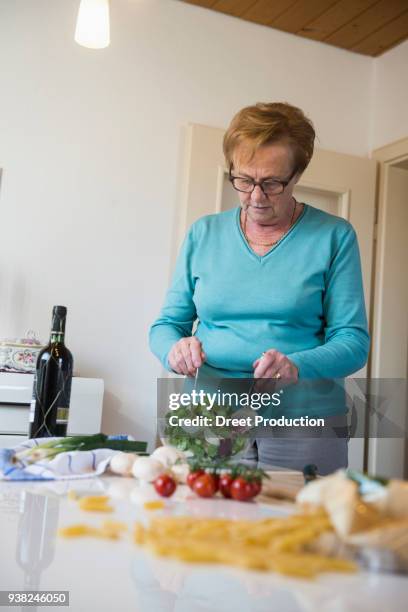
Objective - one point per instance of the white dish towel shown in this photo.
(65, 466)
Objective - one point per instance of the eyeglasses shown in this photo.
(268, 186)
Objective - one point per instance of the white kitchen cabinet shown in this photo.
(15, 396)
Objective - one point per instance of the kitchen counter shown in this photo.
(118, 575)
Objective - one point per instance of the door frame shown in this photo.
(387, 156)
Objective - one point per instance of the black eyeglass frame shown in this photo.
(283, 184)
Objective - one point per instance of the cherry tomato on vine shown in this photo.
(205, 485)
(216, 481)
(225, 484)
(165, 485)
(256, 487)
(241, 489)
(192, 476)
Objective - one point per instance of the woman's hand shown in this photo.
(274, 364)
(186, 356)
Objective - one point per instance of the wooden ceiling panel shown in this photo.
(265, 11)
(386, 37)
(368, 22)
(233, 7)
(369, 27)
(300, 14)
(203, 3)
(334, 18)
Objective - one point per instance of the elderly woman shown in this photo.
(273, 277)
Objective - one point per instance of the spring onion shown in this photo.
(48, 450)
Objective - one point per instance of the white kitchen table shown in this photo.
(120, 576)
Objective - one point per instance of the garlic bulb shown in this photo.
(168, 455)
(122, 463)
(147, 469)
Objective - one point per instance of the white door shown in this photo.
(338, 183)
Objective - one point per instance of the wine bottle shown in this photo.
(52, 383)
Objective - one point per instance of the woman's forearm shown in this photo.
(341, 356)
(347, 341)
(162, 336)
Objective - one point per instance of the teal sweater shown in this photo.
(303, 298)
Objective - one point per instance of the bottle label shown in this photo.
(64, 399)
(62, 415)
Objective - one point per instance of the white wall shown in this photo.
(390, 97)
(91, 145)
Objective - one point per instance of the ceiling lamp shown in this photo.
(92, 28)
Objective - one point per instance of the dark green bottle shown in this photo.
(52, 383)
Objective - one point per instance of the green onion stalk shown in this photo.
(49, 450)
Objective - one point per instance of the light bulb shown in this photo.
(92, 28)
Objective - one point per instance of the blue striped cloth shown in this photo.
(65, 466)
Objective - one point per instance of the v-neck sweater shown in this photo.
(303, 298)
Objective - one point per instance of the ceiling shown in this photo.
(370, 27)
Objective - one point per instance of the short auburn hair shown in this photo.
(266, 123)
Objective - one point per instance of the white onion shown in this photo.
(168, 455)
(147, 469)
(122, 463)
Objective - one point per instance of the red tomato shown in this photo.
(192, 476)
(241, 489)
(165, 485)
(256, 487)
(205, 485)
(225, 484)
(216, 481)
